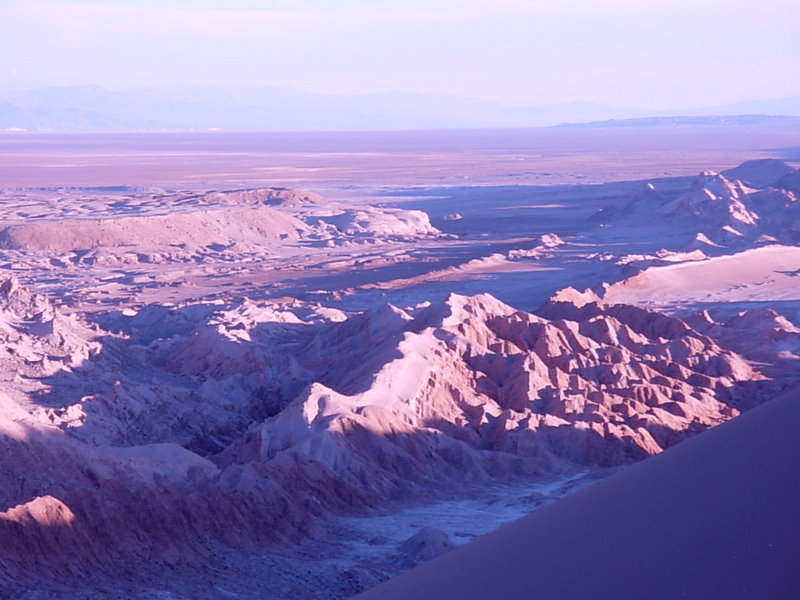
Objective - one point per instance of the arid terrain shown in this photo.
(293, 366)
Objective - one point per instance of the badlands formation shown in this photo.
(258, 392)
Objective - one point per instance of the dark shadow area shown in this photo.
(712, 517)
(97, 521)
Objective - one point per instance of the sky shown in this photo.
(651, 54)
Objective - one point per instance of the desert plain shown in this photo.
(296, 365)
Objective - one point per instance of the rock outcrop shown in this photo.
(754, 203)
(250, 424)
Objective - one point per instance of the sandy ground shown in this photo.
(764, 276)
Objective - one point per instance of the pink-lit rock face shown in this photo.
(43, 511)
(196, 381)
(473, 374)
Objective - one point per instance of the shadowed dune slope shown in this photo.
(714, 517)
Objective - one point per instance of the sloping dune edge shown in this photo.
(713, 517)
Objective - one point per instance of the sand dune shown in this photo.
(709, 518)
(766, 274)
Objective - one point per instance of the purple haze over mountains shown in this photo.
(92, 108)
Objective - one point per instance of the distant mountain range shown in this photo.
(687, 121)
(187, 108)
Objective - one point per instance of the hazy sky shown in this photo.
(633, 53)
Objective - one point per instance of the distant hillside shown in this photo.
(91, 108)
(691, 121)
(193, 108)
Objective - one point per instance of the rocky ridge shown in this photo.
(719, 210)
(382, 405)
(181, 227)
